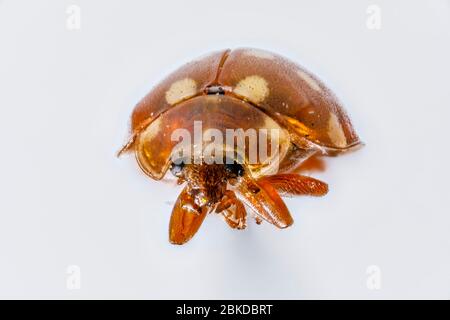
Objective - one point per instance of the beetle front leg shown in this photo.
(263, 199)
(186, 218)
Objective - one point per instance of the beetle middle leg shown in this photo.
(291, 184)
(232, 210)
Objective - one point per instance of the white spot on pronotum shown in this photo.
(373, 21)
(257, 53)
(254, 88)
(146, 149)
(309, 80)
(152, 130)
(73, 21)
(180, 90)
(335, 132)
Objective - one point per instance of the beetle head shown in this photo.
(206, 186)
(207, 183)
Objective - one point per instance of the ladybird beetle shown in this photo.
(238, 89)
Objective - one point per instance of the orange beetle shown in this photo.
(239, 89)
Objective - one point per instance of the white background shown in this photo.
(65, 199)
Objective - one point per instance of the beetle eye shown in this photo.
(176, 168)
(235, 169)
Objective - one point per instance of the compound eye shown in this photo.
(177, 168)
(235, 169)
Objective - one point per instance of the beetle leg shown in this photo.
(226, 202)
(258, 220)
(186, 218)
(264, 201)
(235, 216)
(291, 184)
(233, 211)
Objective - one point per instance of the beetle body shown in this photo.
(242, 89)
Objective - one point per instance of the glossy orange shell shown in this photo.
(294, 98)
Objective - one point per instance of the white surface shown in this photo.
(65, 100)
